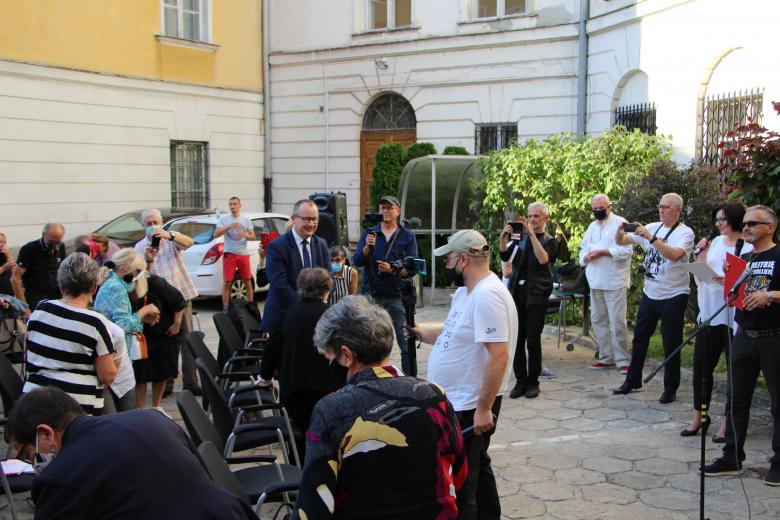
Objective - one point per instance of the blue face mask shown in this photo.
(149, 231)
(335, 267)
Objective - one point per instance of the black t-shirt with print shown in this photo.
(40, 276)
(765, 277)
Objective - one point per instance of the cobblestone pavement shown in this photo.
(579, 452)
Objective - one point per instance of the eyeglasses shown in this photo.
(720, 220)
(663, 206)
(753, 223)
(308, 220)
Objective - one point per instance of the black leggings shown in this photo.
(709, 344)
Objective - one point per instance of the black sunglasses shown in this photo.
(753, 223)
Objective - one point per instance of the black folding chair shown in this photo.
(230, 342)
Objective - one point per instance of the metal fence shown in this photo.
(189, 175)
(493, 137)
(724, 112)
(640, 116)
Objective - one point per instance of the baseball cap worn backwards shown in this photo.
(390, 200)
(468, 241)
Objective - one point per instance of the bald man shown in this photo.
(35, 276)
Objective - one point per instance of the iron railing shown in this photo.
(189, 175)
(640, 116)
(725, 112)
(493, 137)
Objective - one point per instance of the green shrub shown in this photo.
(416, 150)
(390, 161)
(455, 150)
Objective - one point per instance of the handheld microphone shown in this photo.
(709, 238)
(744, 276)
(738, 246)
(411, 223)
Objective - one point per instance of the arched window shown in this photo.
(390, 112)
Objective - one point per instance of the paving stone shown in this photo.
(658, 466)
(562, 395)
(579, 509)
(517, 413)
(525, 474)
(559, 414)
(607, 493)
(649, 415)
(607, 464)
(549, 490)
(579, 476)
(636, 480)
(624, 425)
(582, 403)
(619, 403)
(669, 498)
(680, 453)
(581, 424)
(631, 453)
(554, 462)
(538, 424)
(605, 414)
(520, 505)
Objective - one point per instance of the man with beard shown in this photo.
(756, 346)
(35, 276)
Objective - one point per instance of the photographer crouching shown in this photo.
(381, 245)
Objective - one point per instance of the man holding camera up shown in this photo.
(378, 248)
(532, 252)
(665, 294)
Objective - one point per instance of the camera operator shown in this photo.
(379, 246)
(532, 252)
(665, 293)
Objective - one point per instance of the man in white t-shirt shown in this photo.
(470, 359)
(667, 244)
(236, 230)
(607, 266)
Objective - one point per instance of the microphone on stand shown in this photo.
(709, 238)
(738, 246)
(744, 276)
(411, 223)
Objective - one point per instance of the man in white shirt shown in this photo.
(470, 359)
(667, 244)
(607, 266)
(236, 230)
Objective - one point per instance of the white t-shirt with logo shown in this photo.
(234, 244)
(458, 358)
(665, 279)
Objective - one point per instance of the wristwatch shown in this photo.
(653, 239)
(770, 297)
(173, 234)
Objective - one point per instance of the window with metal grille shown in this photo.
(724, 112)
(188, 19)
(493, 137)
(641, 116)
(189, 174)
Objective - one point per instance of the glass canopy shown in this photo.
(440, 191)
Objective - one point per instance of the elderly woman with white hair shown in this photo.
(125, 272)
(68, 345)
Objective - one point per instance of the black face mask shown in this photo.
(455, 277)
(600, 214)
(51, 247)
(128, 278)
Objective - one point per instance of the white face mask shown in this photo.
(41, 460)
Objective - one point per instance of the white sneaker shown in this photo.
(160, 409)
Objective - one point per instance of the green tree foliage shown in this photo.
(565, 171)
(390, 161)
(455, 150)
(416, 150)
(752, 164)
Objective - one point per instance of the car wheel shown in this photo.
(238, 290)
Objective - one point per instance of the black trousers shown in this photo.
(748, 357)
(529, 336)
(478, 498)
(709, 344)
(671, 312)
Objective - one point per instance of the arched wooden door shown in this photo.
(389, 119)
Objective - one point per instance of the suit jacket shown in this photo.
(283, 263)
(136, 464)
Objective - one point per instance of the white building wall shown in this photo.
(82, 148)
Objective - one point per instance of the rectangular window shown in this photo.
(389, 14)
(189, 174)
(498, 8)
(641, 116)
(494, 137)
(188, 19)
(724, 112)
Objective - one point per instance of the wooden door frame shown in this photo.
(405, 137)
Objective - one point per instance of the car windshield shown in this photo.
(200, 232)
(128, 227)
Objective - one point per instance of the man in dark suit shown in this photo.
(287, 255)
(137, 464)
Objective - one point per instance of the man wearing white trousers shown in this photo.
(607, 266)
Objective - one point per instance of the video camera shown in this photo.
(412, 265)
(372, 219)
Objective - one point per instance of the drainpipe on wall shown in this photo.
(267, 193)
(582, 67)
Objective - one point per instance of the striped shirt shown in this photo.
(62, 344)
(340, 285)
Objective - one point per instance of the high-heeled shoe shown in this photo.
(690, 433)
(717, 439)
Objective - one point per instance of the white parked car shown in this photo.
(204, 259)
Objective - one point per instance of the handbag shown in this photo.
(138, 347)
(572, 279)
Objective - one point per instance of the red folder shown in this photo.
(736, 268)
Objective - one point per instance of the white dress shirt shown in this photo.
(299, 242)
(606, 272)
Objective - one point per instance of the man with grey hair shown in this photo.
(607, 267)
(667, 244)
(166, 261)
(470, 359)
(531, 252)
(385, 444)
(296, 249)
(34, 278)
